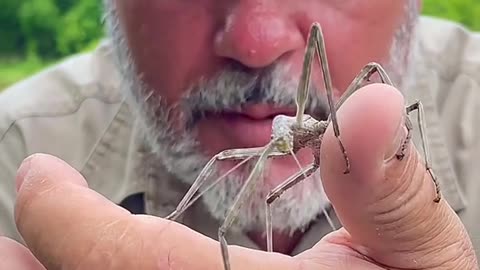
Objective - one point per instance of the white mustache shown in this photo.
(235, 88)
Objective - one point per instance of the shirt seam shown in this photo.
(53, 115)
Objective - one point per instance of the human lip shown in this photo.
(265, 111)
(251, 126)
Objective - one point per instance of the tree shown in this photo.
(11, 38)
(38, 21)
(79, 27)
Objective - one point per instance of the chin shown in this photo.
(293, 211)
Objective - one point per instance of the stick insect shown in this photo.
(290, 134)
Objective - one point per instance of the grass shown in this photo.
(14, 69)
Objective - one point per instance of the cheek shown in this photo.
(171, 43)
(356, 36)
(349, 49)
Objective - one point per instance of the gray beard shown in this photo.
(181, 155)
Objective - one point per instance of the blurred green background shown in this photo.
(38, 33)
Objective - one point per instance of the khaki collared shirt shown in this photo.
(74, 110)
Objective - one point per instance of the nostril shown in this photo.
(257, 38)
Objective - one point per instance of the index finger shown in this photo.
(14, 255)
(67, 225)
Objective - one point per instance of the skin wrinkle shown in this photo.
(64, 244)
(427, 238)
(431, 235)
(85, 258)
(169, 262)
(181, 154)
(171, 253)
(415, 215)
(410, 160)
(118, 240)
(388, 218)
(140, 245)
(444, 262)
(396, 213)
(440, 238)
(427, 255)
(163, 234)
(418, 220)
(124, 241)
(44, 188)
(102, 246)
(345, 242)
(30, 197)
(390, 196)
(330, 257)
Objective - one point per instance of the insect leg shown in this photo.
(303, 85)
(421, 123)
(231, 154)
(240, 200)
(277, 192)
(364, 75)
(322, 57)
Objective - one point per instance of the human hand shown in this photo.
(385, 205)
(387, 209)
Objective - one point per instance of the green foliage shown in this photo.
(39, 20)
(56, 28)
(11, 39)
(466, 12)
(48, 28)
(14, 69)
(79, 27)
(34, 33)
(65, 5)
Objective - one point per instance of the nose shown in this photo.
(257, 36)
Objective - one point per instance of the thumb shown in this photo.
(386, 204)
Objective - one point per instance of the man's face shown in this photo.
(210, 75)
